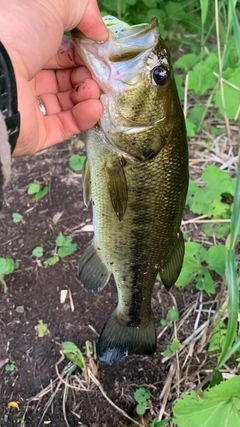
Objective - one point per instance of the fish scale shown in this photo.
(136, 177)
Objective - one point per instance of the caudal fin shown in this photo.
(119, 340)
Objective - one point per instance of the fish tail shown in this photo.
(118, 340)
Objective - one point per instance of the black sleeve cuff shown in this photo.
(8, 97)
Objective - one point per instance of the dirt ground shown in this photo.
(36, 290)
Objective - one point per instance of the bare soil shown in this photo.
(37, 290)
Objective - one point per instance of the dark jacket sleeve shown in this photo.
(5, 157)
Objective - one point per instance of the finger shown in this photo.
(63, 101)
(66, 124)
(92, 24)
(60, 80)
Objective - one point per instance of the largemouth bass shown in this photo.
(136, 177)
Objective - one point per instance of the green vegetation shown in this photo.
(141, 395)
(41, 329)
(76, 162)
(38, 191)
(7, 266)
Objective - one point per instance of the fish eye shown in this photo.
(159, 76)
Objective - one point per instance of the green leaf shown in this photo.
(38, 252)
(40, 194)
(7, 266)
(173, 315)
(33, 188)
(10, 367)
(217, 407)
(16, 217)
(231, 95)
(172, 348)
(73, 353)
(186, 61)
(66, 247)
(60, 240)
(42, 329)
(233, 306)
(141, 395)
(191, 127)
(76, 162)
(51, 261)
(216, 258)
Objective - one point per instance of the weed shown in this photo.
(172, 348)
(76, 162)
(39, 193)
(7, 266)
(42, 329)
(141, 395)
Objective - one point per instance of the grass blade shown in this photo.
(233, 306)
(235, 222)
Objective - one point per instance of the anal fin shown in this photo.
(173, 266)
(92, 272)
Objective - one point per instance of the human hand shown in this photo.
(32, 38)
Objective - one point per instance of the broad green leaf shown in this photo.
(40, 194)
(150, 3)
(7, 266)
(191, 128)
(218, 406)
(76, 162)
(216, 258)
(38, 252)
(60, 240)
(141, 395)
(16, 217)
(67, 249)
(231, 95)
(186, 61)
(220, 230)
(204, 281)
(33, 188)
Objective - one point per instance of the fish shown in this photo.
(136, 178)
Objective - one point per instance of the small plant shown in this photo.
(172, 348)
(16, 217)
(35, 188)
(42, 329)
(172, 316)
(10, 367)
(198, 264)
(65, 246)
(7, 266)
(214, 199)
(76, 162)
(37, 252)
(141, 395)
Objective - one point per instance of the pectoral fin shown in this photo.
(173, 266)
(86, 183)
(92, 272)
(117, 186)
